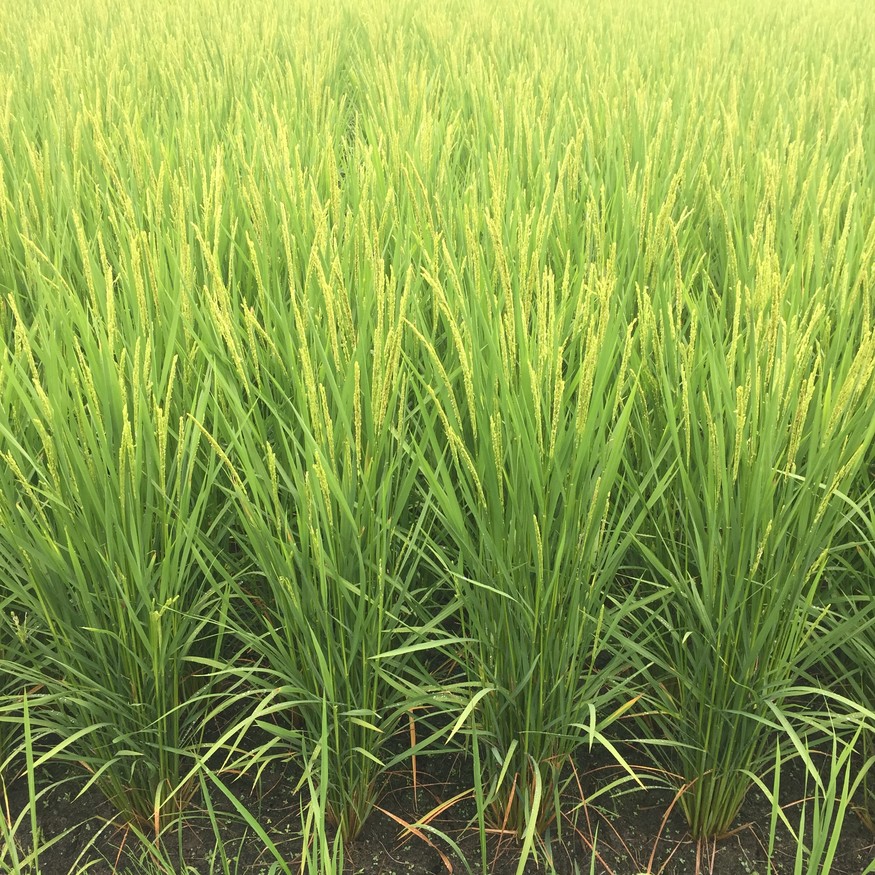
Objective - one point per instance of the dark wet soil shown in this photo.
(633, 830)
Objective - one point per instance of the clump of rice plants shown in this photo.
(522, 455)
(852, 599)
(107, 511)
(764, 439)
(315, 431)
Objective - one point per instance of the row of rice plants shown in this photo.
(435, 382)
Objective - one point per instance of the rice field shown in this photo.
(481, 390)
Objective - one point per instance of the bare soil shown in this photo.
(634, 831)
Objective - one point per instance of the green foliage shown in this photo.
(764, 436)
(416, 377)
(313, 425)
(107, 511)
(522, 454)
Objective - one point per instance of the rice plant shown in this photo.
(852, 596)
(831, 782)
(107, 510)
(523, 458)
(764, 439)
(16, 629)
(315, 431)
